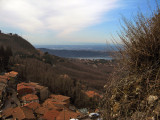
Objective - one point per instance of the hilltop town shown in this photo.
(31, 101)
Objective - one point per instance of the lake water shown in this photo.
(93, 58)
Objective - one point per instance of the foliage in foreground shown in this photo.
(134, 91)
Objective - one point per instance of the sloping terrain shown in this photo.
(91, 73)
(17, 43)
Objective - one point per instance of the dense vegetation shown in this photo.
(5, 54)
(134, 91)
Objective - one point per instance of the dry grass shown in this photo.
(138, 77)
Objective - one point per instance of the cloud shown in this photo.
(62, 16)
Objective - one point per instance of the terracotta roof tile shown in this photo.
(33, 105)
(67, 115)
(91, 93)
(7, 112)
(19, 113)
(3, 81)
(33, 85)
(51, 115)
(51, 104)
(41, 110)
(23, 113)
(22, 86)
(29, 97)
(59, 98)
(11, 74)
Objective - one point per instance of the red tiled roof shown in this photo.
(91, 93)
(22, 86)
(41, 110)
(59, 98)
(3, 77)
(51, 115)
(33, 105)
(21, 113)
(8, 112)
(33, 85)
(3, 81)
(51, 104)
(12, 74)
(67, 114)
(29, 97)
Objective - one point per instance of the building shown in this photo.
(11, 74)
(33, 105)
(23, 89)
(18, 113)
(29, 98)
(67, 115)
(51, 115)
(51, 104)
(7, 114)
(41, 91)
(41, 111)
(61, 98)
(92, 94)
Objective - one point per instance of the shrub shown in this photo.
(129, 94)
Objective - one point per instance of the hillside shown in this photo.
(17, 43)
(91, 73)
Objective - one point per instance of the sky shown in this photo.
(68, 22)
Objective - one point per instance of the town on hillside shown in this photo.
(31, 101)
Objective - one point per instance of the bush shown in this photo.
(134, 90)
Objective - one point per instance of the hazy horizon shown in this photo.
(61, 22)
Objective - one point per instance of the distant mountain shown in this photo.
(76, 53)
(18, 44)
(101, 47)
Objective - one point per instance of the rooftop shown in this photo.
(51, 115)
(23, 86)
(41, 110)
(59, 98)
(7, 112)
(51, 104)
(11, 74)
(29, 97)
(3, 77)
(67, 115)
(33, 85)
(33, 105)
(23, 113)
(3, 81)
(19, 113)
(91, 93)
